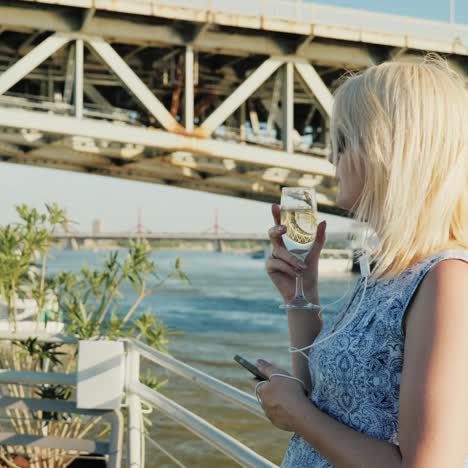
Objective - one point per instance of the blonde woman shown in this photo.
(390, 388)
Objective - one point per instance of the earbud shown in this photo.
(364, 266)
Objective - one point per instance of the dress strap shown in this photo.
(412, 281)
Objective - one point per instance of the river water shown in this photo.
(230, 308)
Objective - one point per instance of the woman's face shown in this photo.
(350, 182)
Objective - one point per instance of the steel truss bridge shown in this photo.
(228, 97)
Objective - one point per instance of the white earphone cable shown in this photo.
(290, 377)
(365, 271)
(323, 307)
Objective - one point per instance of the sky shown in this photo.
(116, 202)
(430, 9)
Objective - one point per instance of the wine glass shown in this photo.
(299, 214)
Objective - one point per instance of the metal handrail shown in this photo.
(200, 378)
(215, 437)
(36, 378)
(42, 336)
(112, 448)
(168, 454)
(136, 392)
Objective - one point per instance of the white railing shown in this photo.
(19, 409)
(198, 377)
(137, 393)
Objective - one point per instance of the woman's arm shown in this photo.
(282, 267)
(434, 387)
(304, 326)
(433, 395)
(342, 446)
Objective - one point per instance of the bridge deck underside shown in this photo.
(190, 103)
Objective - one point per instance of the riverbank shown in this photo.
(246, 246)
(331, 261)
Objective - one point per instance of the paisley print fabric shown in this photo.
(356, 372)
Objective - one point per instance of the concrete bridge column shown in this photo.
(71, 244)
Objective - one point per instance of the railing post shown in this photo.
(242, 121)
(134, 417)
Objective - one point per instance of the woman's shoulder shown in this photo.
(417, 270)
(448, 267)
(443, 281)
(434, 268)
(422, 267)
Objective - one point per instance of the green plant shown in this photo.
(22, 245)
(91, 299)
(90, 303)
(42, 354)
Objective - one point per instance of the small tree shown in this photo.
(23, 245)
(88, 301)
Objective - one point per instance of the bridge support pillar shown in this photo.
(188, 97)
(71, 244)
(79, 54)
(288, 107)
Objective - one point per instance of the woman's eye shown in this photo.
(338, 149)
(341, 146)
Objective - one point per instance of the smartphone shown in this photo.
(250, 367)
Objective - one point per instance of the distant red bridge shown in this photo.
(187, 236)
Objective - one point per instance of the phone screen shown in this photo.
(250, 367)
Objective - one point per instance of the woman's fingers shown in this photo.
(276, 212)
(274, 265)
(281, 253)
(319, 242)
(276, 235)
(279, 250)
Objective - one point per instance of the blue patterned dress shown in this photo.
(356, 373)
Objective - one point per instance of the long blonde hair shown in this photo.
(407, 125)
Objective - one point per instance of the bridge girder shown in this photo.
(192, 103)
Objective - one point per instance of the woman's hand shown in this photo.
(281, 398)
(283, 267)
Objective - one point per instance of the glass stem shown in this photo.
(299, 287)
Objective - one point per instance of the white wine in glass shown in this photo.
(299, 215)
